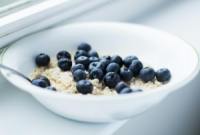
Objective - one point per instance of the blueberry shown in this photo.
(111, 79)
(79, 75)
(84, 86)
(113, 67)
(63, 54)
(96, 73)
(121, 85)
(147, 74)
(80, 53)
(126, 74)
(40, 83)
(134, 90)
(84, 46)
(83, 60)
(44, 78)
(93, 54)
(107, 57)
(163, 75)
(42, 60)
(129, 90)
(135, 67)
(126, 90)
(77, 66)
(51, 88)
(64, 64)
(128, 60)
(93, 59)
(117, 59)
(103, 64)
(94, 65)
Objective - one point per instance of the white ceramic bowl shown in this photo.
(156, 48)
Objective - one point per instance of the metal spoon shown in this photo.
(14, 72)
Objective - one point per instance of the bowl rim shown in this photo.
(41, 91)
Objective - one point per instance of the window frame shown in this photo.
(43, 15)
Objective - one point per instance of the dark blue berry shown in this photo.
(51, 88)
(79, 75)
(77, 66)
(126, 90)
(40, 83)
(129, 90)
(63, 54)
(117, 59)
(121, 85)
(135, 67)
(107, 57)
(44, 78)
(111, 79)
(96, 73)
(42, 60)
(84, 46)
(128, 60)
(64, 64)
(80, 53)
(126, 74)
(83, 60)
(103, 64)
(163, 75)
(93, 65)
(147, 74)
(84, 87)
(93, 59)
(113, 67)
(93, 54)
(136, 90)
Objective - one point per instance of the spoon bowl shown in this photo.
(153, 47)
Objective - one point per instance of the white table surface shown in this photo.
(21, 114)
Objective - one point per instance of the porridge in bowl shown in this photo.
(89, 73)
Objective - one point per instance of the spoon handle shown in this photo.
(14, 72)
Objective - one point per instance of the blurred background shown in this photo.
(179, 114)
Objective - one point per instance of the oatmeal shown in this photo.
(90, 74)
(63, 81)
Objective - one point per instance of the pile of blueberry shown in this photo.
(112, 71)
